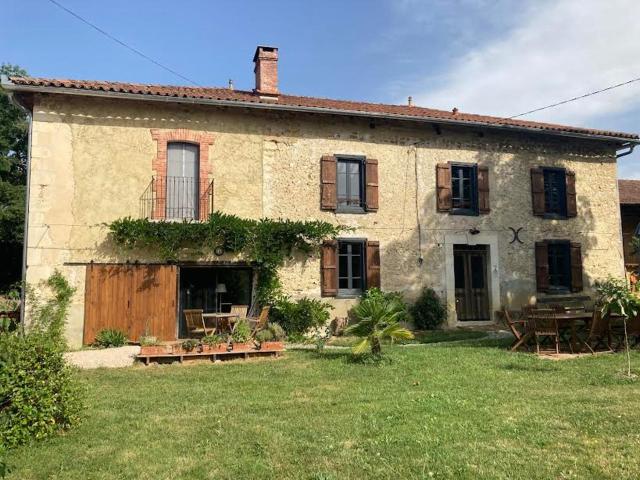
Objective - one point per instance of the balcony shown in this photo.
(183, 198)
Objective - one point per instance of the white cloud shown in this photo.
(556, 50)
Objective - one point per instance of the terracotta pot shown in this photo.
(242, 347)
(221, 347)
(153, 350)
(272, 346)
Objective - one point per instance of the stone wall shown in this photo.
(93, 158)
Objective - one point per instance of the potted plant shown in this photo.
(188, 346)
(214, 344)
(271, 338)
(241, 336)
(149, 345)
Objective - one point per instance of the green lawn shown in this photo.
(463, 410)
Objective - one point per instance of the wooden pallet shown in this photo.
(212, 355)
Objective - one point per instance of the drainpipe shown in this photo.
(23, 285)
(628, 145)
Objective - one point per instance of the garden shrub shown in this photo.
(428, 312)
(298, 317)
(39, 394)
(110, 337)
(377, 294)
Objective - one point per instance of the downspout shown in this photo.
(628, 145)
(23, 283)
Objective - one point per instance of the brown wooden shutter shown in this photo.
(373, 264)
(542, 266)
(483, 190)
(371, 171)
(572, 206)
(576, 267)
(329, 268)
(537, 191)
(443, 187)
(328, 193)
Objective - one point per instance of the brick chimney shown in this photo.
(266, 70)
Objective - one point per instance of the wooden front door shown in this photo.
(472, 291)
(131, 298)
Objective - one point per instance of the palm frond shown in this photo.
(397, 332)
(361, 347)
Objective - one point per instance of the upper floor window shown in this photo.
(350, 184)
(350, 267)
(555, 192)
(464, 189)
(182, 180)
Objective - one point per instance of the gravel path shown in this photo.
(103, 358)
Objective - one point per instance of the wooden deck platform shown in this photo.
(212, 355)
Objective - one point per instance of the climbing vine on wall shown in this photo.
(265, 242)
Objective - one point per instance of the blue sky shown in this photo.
(483, 56)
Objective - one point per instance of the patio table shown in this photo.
(570, 319)
(231, 318)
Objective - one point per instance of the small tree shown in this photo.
(616, 297)
(378, 318)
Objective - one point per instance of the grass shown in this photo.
(464, 410)
(430, 336)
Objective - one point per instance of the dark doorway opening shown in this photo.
(213, 289)
(471, 282)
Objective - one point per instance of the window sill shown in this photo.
(353, 210)
(464, 211)
(348, 296)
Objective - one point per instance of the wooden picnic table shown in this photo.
(570, 319)
(230, 318)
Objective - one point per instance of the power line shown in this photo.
(576, 98)
(128, 47)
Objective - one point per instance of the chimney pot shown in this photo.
(410, 101)
(455, 110)
(266, 70)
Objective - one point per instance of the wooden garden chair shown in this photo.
(239, 311)
(543, 326)
(259, 322)
(195, 323)
(599, 332)
(516, 327)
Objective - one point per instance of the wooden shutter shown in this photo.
(483, 189)
(542, 266)
(371, 172)
(328, 173)
(537, 191)
(576, 267)
(373, 264)
(572, 206)
(443, 187)
(329, 268)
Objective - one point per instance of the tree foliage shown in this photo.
(13, 173)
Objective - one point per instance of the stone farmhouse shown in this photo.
(487, 211)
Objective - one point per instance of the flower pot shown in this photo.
(153, 350)
(272, 346)
(221, 347)
(242, 347)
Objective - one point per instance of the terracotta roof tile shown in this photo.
(211, 93)
(629, 192)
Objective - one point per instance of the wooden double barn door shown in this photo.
(131, 298)
(472, 291)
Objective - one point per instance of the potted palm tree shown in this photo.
(214, 344)
(241, 337)
(378, 318)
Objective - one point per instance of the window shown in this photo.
(350, 184)
(555, 192)
(350, 267)
(464, 189)
(559, 266)
(182, 180)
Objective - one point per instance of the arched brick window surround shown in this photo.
(159, 164)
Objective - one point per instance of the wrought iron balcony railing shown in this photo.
(177, 198)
